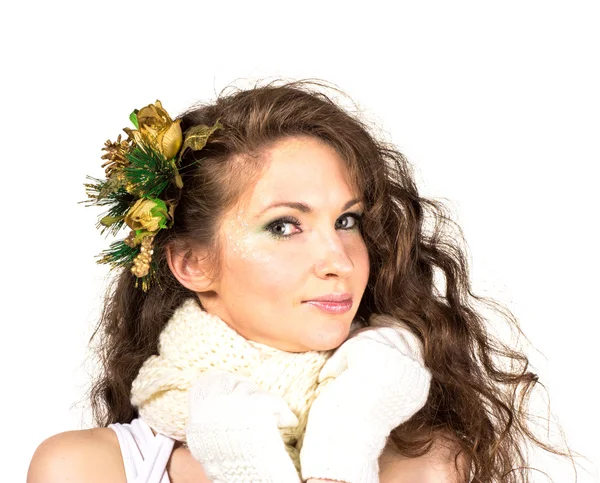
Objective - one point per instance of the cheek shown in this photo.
(254, 266)
(269, 274)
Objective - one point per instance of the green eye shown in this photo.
(277, 228)
(283, 228)
(348, 221)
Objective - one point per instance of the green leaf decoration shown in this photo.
(118, 201)
(196, 137)
(118, 254)
(121, 255)
(160, 210)
(171, 204)
(140, 235)
(177, 177)
(133, 118)
(137, 170)
(110, 220)
(149, 173)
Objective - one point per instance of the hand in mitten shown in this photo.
(233, 430)
(380, 382)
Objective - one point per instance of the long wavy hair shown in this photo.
(418, 275)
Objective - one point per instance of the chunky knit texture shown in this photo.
(194, 341)
(354, 426)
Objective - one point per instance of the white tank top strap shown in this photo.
(145, 455)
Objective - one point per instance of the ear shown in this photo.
(190, 266)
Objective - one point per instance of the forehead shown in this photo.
(302, 169)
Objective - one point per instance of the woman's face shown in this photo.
(294, 238)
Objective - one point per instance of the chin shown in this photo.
(330, 339)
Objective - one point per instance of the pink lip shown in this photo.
(332, 307)
(332, 303)
(332, 297)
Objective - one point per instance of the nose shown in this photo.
(334, 261)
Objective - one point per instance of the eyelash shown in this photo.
(294, 221)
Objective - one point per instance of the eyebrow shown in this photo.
(303, 207)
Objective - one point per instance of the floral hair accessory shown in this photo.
(143, 186)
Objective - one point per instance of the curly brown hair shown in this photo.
(476, 399)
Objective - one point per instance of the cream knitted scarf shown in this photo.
(194, 341)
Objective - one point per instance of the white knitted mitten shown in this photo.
(381, 382)
(233, 430)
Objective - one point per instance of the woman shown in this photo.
(285, 226)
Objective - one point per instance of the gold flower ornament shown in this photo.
(157, 130)
(143, 185)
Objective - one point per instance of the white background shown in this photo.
(495, 103)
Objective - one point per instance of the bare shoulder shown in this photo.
(436, 466)
(89, 455)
